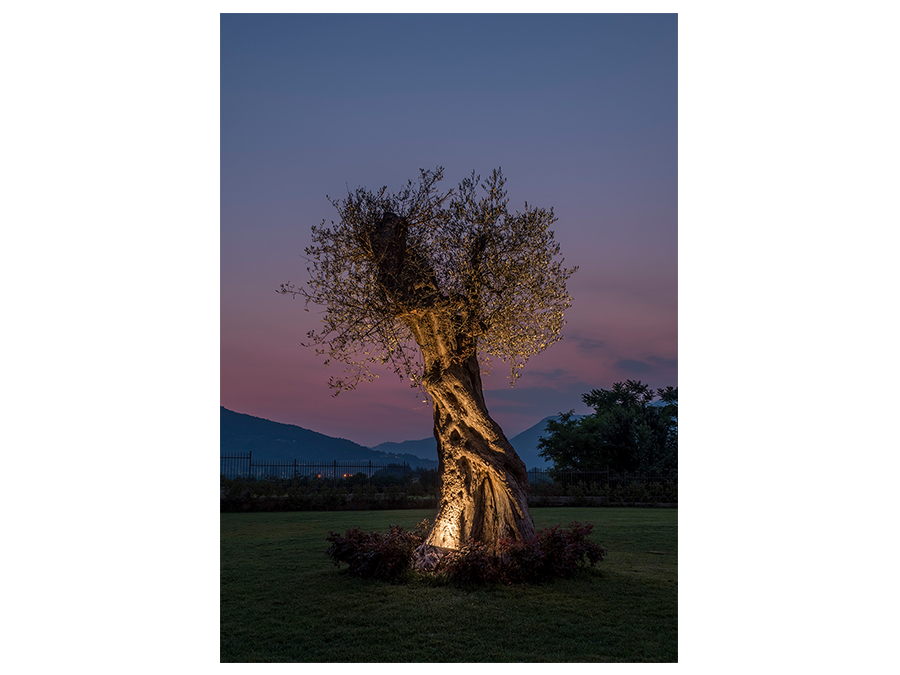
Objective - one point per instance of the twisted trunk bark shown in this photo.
(483, 481)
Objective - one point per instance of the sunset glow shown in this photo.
(315, 104)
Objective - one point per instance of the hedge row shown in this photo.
(664, 491)
(324, 501)
(251, 495)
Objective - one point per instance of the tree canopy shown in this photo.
(435, 284)
(486, 271)
(626, 432)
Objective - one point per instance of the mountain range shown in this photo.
(275, 441)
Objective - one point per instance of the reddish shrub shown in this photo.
(554, 552)
(380, 556)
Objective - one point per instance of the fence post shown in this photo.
(249, 463)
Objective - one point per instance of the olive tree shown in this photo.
(438, 286)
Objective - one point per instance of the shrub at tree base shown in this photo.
(375, 555)
(554, 552)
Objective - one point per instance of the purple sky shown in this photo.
(580, 111)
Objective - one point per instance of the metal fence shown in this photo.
(243, 466)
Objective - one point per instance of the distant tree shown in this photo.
(624, 433)
(434, 284)
(669, 416)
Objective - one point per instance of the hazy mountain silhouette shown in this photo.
(426, 448)
(274, 441)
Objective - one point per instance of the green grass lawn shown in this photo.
(283, 600)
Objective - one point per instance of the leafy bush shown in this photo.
(473, 563)
(637, 492)
(554, 552)
(375, 555)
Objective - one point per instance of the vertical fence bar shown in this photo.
(231, 465)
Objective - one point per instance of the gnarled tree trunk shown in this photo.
(483, 480)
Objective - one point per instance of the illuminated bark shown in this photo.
(483, 480)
